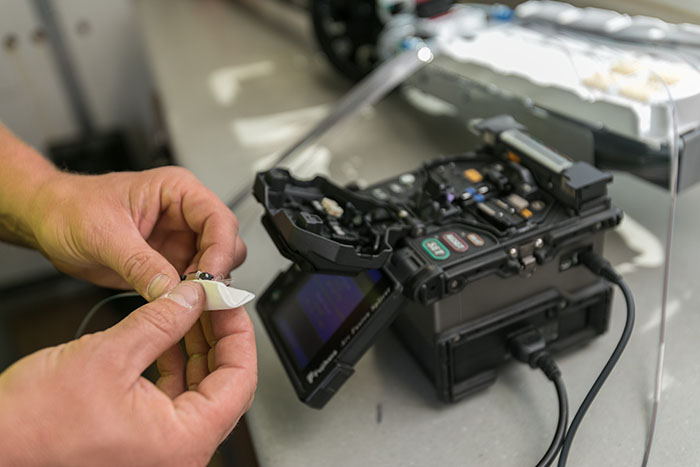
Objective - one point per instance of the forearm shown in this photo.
(22, 173)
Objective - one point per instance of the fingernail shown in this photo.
(158, 286)
(184, 294)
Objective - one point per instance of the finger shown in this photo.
(224, 395)
(152, 329)
(208, 328)
(216, 226)
(208, 331)
(239, 256)
(171, 366)
(178, 248)
(140, 265)
(198, 352)
(239, 253)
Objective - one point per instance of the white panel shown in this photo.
(107, 51)
(32, 99)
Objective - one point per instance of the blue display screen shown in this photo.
(328, 301)
(319, 305)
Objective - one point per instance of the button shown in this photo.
(435, 249)
(537, 205)
(473, 175)
(475, 239)
(310, 222)
(518, 202)
(396, 188)
(526, 213)
(455, 242)
(479, 198)
(380, 194)
(407, 179)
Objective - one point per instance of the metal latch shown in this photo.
(525, 254)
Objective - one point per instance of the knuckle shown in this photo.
(135, 265)
(174, 170)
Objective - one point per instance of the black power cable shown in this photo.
(93, 311)
(530, 347)
(600, 267)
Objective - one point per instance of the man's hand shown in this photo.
(149, 227)
(124, 230)
(85, 402)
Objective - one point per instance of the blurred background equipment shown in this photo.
(615, 87)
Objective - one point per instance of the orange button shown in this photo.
(473, 175)
(526, 213)
(513, 156)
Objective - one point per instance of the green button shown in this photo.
(435, 249)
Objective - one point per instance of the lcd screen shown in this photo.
(317, 306)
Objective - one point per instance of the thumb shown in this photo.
(155, 327)
(149, 273)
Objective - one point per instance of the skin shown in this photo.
(85, 402)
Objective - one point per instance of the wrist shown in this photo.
(26, 174)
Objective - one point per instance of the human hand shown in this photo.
(86, 403)
(138, 230)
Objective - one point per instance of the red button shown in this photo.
(475, 239)
(455, 242)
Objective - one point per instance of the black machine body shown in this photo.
(458, 254)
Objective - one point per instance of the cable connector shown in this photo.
(530, 347)
(599, 266)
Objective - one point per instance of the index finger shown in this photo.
(216, 228)
(226, 393)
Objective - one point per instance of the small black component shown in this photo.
(276, 178)
(583, 183)
(310, 222)
(199, 275)
(432, 8)
(528, 346)
(499, 180)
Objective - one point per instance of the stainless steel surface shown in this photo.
(271, 86)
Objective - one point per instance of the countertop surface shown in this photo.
(238, 82)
